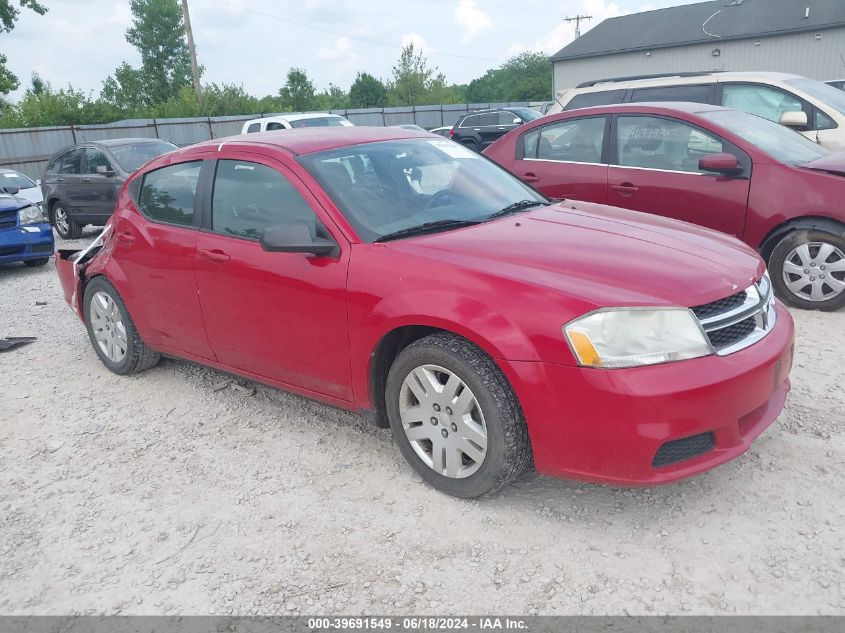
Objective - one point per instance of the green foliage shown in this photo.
(8, 17)
(526, 77)
(333, 99)
(413, 81)
(298, 93)
(9, 14)
(367, 92)
(43, 106)
(158, 33)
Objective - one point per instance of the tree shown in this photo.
(526, 77)
(298, 93)
(413, 81)
(8, 16)
(367, 92)
(158, 32)
(124, 91)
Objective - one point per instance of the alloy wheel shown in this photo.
(61, 221)
(815, 271)
(443, 421)
(108, 327)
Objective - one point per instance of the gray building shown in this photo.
(805, 37)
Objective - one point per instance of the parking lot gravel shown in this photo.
(183, 490)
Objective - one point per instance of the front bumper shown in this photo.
(608, 425)
(34, 241)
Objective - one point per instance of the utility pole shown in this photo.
(195, 71)
(577, 19)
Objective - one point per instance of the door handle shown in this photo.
(625, 189)
(214, 255)
(530, 177)
(60, 179)
(125, 236)
(86, 180)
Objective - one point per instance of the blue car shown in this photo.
(25, 234)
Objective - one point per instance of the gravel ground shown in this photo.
(180, 491)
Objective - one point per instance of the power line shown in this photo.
(346, 35)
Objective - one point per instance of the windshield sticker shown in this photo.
(453, 150)
(10, 175)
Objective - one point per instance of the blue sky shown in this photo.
(249, 42)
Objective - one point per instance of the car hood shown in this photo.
(832, 163)
(33, 194)
(603, 255)
(13, 203)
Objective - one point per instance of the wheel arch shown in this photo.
(809, 222)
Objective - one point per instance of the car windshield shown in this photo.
(323, 121)
(829, 95)
(133, 155)
(14, 179)
(776, 140)
(391, 186)
(526, 114)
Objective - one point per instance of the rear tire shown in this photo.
(65, 226)
(112, 331)
(34, 263)
(807, 268)
(447, 371)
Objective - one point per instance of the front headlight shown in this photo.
(31, 215)
(619, 338)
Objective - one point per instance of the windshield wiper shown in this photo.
(522, 205)
(426, 227)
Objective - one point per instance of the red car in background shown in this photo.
(724, 169)
(397, 272)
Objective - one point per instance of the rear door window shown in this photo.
(168, 194)
(275, 125)
(253, 127)
(695, 94)
(571, 140)
(489, 119)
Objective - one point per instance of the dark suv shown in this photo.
(478, 129)
(81, 183)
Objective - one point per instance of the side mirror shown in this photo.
(295, 237)
(723, 163)
(793, 119)
(517, 121)
(12, 191)
(105, 170)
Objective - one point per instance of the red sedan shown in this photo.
(395, 272)
(724, 169)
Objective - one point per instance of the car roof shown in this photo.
(296, 117)
(315, 139)
(645, 107)
(622, 83)
(123, 141)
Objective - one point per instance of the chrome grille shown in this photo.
(735, 322)
(8, 219)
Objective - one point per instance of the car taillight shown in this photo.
(451, 132)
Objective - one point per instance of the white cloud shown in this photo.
(419, 42)
(341, 50)
(472, 19)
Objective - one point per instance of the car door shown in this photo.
(656, 170)
(566, 159)
(69, 180)
(156, 249)
(99, 188)
(488, 128)
(280, 316)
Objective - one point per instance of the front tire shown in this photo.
(65, 226)
(34, 263)
(112, 331)
(455, 417)
(808, 269)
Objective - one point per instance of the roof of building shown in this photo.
(704, 22)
